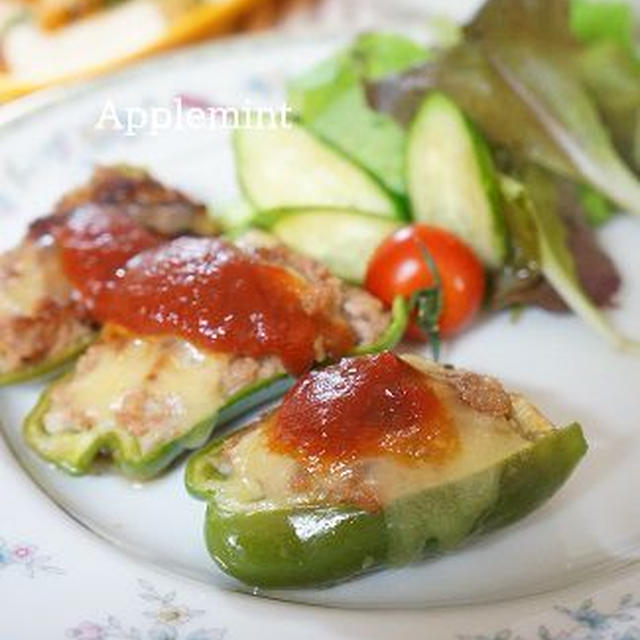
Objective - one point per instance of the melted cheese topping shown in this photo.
(256, 477)
(30, 274)
(153, 389)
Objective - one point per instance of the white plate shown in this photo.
(590, 530)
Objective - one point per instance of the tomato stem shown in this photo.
(428, 304)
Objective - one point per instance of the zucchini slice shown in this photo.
(286, 167)
(452, 181)
(341, 239)
(274, 522)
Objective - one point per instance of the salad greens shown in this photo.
(483, 135)
(524, 78)
(565, 110)
(598, 210)
(331, 101)
(537, 199)
(589, 45)
(592, 21)
(612, 77)
(554, 84)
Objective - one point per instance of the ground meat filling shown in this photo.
(365, 314)
(150, 405)
(164, 210)
(148, 411)
(39, 320)
(27, 340)
(243, 371)
(482, 393)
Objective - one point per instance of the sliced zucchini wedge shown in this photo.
(452, 181)
(341, 239)
(286, 167)
(273, 522)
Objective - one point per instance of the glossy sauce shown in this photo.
(361, 408)
(94, 243)
(223, 299)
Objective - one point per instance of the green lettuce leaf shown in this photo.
(592, 21)
(331, 101)
(609, 65)
(598, 209)
(612, 77)
(532, 88)
(381, 54)
(565, 109)
(538, 196)
(575, 90)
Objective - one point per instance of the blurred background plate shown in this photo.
(52, 42)
(58, 42)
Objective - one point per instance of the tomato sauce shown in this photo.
(363, 407)
(94, 243)
(221, 298)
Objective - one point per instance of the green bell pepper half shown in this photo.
(263, 548)
(75, 452)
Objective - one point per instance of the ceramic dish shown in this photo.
(586, 539)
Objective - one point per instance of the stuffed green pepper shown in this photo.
(373, 462)
(43, 323)
(195, 330)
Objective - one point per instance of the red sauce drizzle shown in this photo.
(96, 242)
(223, 299)
(363, 407)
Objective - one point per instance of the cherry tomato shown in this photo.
(399, 267)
